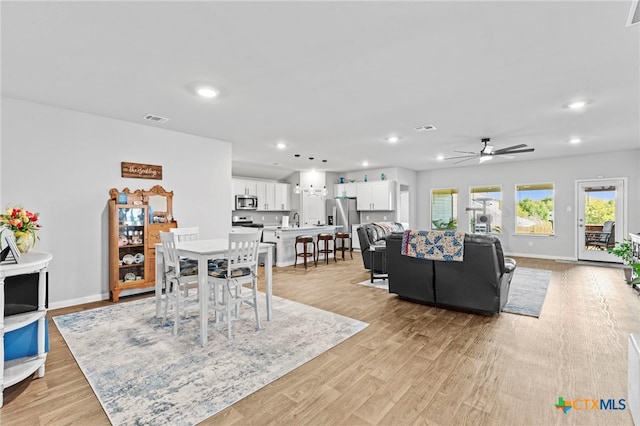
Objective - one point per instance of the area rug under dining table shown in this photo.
(142, 374)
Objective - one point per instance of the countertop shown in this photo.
(302, 228)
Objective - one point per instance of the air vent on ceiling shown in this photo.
(425, 128)
(634, 13)
(155, 118)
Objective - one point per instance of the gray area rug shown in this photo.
(526, 295)
(528, 291)
(381, 284)
(142, 374)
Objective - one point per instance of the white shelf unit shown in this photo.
(16, 370)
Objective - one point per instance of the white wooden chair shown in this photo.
(235, 281)
(176, 283)
(188, 266)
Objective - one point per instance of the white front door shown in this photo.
(600, 201)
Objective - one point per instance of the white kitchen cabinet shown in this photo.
(282, 196)
(377, 195)
(244, 187)
(273, 196)
(266, 196)
(348, 190)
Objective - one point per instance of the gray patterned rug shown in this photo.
(528, 291)
(526, 295)
(142, 374)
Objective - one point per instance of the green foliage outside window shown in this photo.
(442, 225)
(598, 211)
(538, 209)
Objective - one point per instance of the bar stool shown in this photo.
(325, 238)
(343, 237)
(305, 240)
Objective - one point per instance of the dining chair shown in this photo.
(176, 281)
(234, 280)
(188, 266)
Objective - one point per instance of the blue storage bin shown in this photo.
(24, 341)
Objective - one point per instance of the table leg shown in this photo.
(269, 279)
(203, 294)
(159, 278)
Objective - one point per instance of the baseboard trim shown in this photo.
(541, 256)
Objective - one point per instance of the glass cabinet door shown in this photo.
(131, 234)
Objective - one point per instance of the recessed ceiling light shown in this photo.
(281, 145)
(365, 163)
(393, 139)
(207, 92)
(577, 105)
(575, 140)
(440, 157)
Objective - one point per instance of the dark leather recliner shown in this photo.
(480, 283)
(375, 234)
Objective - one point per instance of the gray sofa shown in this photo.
(480, 283)
(375, 234)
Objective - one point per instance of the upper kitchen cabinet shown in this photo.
(345, 190)
(377, 195)
(283, 196)
(244, 187)
(273, 196)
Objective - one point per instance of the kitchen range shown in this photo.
(245, 221)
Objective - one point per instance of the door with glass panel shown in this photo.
(601, 205)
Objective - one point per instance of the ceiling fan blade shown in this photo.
(466, 159)
(517, 151)
(466, 152)
(509, 148)
(461, 156)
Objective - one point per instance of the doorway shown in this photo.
(601, 218)
(403, 207)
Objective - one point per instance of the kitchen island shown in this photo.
(284, 239)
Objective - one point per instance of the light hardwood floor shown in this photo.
(413, 364)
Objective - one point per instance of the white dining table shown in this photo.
(203, 250)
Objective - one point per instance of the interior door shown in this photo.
(601, 205)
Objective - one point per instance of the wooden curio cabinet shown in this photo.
(134, 229)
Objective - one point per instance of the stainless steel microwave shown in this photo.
(246, 202)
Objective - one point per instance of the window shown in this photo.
(485, 209)
(444, 208)
(534, 209)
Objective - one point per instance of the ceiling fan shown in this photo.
(487, 152)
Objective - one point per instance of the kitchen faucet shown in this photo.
(294, 219)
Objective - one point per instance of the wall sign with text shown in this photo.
(141, 171)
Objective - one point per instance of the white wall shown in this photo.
(62, 164)
(563, 172)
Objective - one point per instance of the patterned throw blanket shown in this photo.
(433, 245)
(389, 227)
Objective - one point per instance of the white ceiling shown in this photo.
(334, 79)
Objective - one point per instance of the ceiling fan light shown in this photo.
(577, 104)
(207, 92)
(488, 148)
(486, 158)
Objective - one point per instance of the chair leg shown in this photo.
(305, 256)
(228, 305)
(255, 303)
(315, 250)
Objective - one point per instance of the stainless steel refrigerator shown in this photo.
(342, 211)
